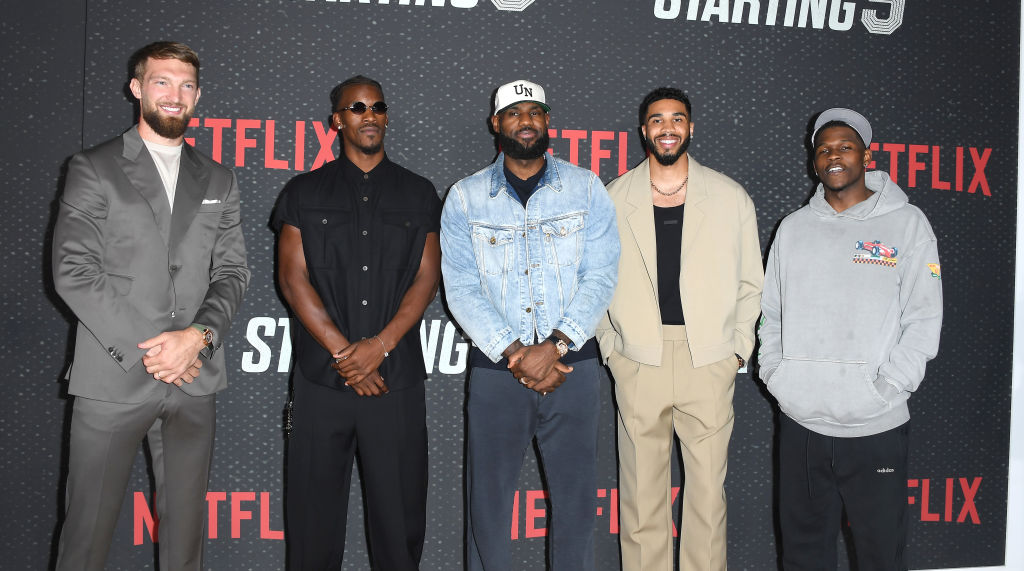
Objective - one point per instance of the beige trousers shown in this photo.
(697, 405)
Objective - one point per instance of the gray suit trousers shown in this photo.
(105, 437)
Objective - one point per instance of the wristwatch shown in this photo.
(560, 345)
(207, 333)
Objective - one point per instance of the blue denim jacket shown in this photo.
(512, 272)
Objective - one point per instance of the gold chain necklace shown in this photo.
(676, 191)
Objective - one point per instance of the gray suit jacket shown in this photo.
(130, 269)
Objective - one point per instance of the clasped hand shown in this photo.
(173, 356)
(359, 365)
(538, 368)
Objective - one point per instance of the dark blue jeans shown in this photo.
(504, 417)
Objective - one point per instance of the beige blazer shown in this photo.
(720, 270)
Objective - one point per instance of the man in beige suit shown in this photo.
(680, 325)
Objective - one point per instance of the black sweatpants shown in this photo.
(820, 475)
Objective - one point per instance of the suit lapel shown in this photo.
(192, 182)
(640, 217)
(693, 213)
(139, 168)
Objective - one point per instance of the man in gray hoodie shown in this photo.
(852, 309)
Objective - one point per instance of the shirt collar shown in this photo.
(354, 175)
(550, 178)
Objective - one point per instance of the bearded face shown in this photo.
(167, 94)
(668, 156)
(522, 130)
(667, 130)
(166, 125)
(534, 149)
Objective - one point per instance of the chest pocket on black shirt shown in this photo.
(326, 236)
(402, 242)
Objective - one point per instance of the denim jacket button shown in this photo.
(528, 310)
(493, 241)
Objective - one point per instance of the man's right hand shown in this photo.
(171, 354)
(371, 385)
(552, 375)
(191, 374)
(536, 362)
(551, 382)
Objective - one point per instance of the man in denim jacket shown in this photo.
(529, 261)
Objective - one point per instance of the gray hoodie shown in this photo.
(851, 311)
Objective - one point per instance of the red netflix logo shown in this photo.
(602, 144)
(945, 497)
(529, 512)
(237, 142)
(922, 164)
(145, 520)
(938, 501)
(250, 133)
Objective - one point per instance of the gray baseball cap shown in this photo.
(848, 116)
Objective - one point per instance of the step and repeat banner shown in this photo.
(938, 81)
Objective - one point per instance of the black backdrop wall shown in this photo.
(938, 81)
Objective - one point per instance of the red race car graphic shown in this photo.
(877, 248)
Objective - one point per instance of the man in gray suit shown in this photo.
(148, 252)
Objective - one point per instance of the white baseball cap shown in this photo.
(518, 92)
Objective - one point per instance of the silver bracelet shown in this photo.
(382, 345)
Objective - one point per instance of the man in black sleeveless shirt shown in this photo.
(358, 263)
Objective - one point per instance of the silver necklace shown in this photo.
(676, 191)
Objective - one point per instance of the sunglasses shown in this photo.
(378, 108)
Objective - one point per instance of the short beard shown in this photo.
(166, 127)
(668, 159)
(516, 150)
(370, 149)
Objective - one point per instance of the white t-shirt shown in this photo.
(167, 160)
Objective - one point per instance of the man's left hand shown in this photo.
(360, 359)
(191, 374)
(170, 354)
(534, 361)
(370, 385)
